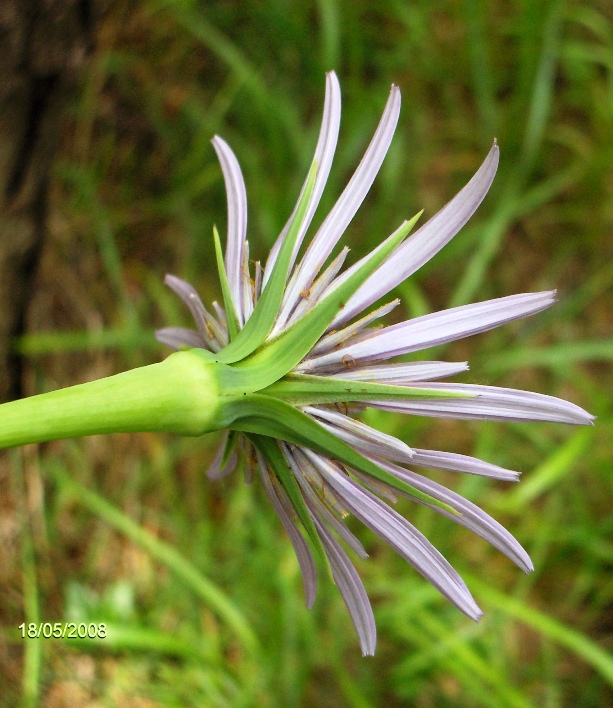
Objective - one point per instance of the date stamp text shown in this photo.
(63, 630)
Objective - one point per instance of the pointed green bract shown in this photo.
(304, 390)
(279, 356)
(228, 448)
(262, 318)
(231, 317)
(273, 455)
(263, 415)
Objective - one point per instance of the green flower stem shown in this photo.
(179, 395)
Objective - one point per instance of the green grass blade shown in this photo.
(548, 474)
(32, 660)
(581, 645)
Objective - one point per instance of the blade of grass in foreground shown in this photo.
(30, 683)
(165, 554)
(553, 629)
(123, 338)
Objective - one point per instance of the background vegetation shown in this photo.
(196, 581)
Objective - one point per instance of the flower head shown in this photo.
(294, 358)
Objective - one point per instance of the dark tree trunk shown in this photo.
(43, 46)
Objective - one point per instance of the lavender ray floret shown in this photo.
(309, 298)
(491, 403)
(208, 327)
(361, 436)
(351, 589)
(216, 471)
(324, 154)
(178, 337)
(437, 328)
(332, 340)
(469, 515)
(426, 242)
(398, 374)
(298, 462)
(344, 210)
(278, 498)
(461, 463)
(402, 536)
(237, 221)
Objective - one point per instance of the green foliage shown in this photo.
(195, 578)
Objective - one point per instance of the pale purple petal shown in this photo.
(404, 538)
(461, 463)
(179, 337)
(221, 316)
(208, 327)
(282, 506)
(216, 471)
(404, 373)
(333, 339)
(490, 403)
(425, 242)
(324, 153)
(351, 589)
(344, 210)
(237, 220)
(434, 329)
(299, 468)
(469, 515)
(361, 436)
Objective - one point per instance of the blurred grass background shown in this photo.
(196, 581)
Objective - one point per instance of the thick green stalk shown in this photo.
(179, 395)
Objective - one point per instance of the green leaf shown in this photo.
(271, 451)
(262, 318)
(279, 356)
(225, 288)
(304, 390)
(264, 415)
